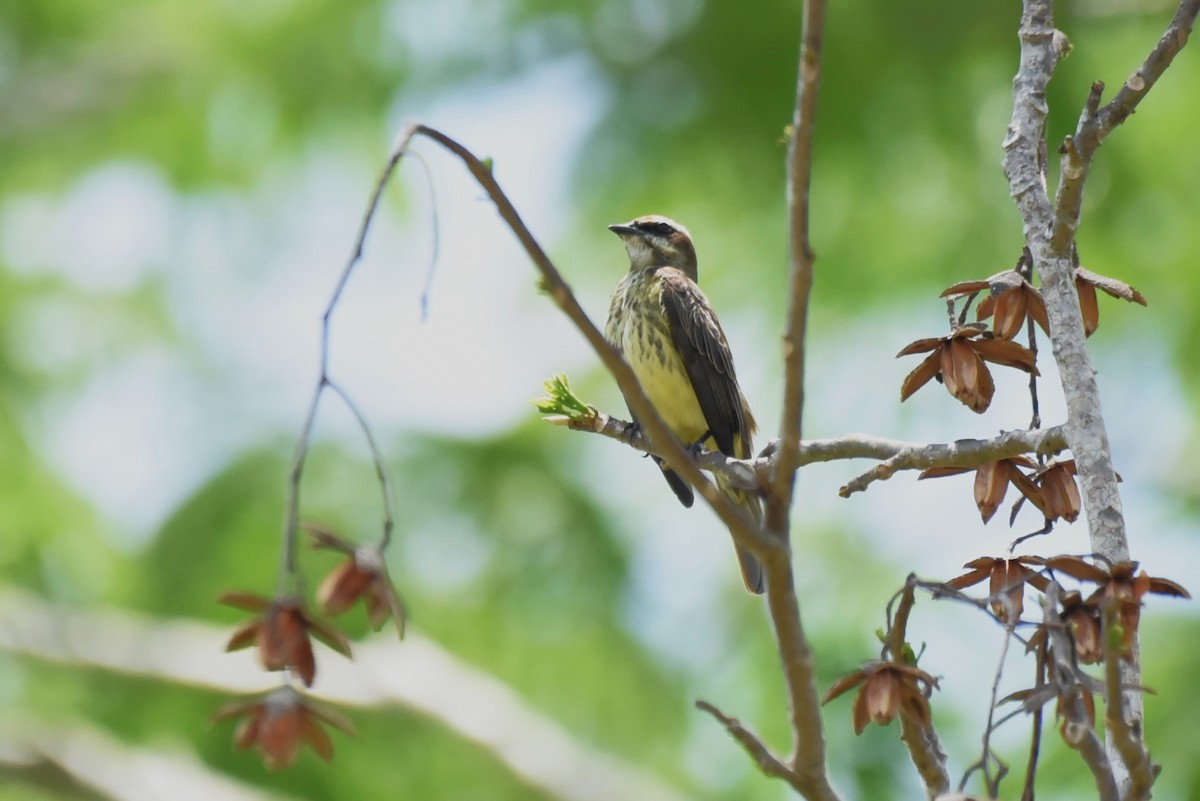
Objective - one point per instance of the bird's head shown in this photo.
(655, 241)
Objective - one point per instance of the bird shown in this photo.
(665, 327)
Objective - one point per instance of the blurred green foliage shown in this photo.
(909, 197)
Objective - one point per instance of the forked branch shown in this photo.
(1050, 235)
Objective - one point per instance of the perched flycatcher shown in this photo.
(664, 326)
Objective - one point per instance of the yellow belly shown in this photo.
(662, 375)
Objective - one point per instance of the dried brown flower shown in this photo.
(992, 480)
(281, 632)
(363, 576)
(1007, 579)
(959, 359)
(279, 722)
(1058, 491)
(1119, 588)
(1083, 619)
(1011, 298)
(887, 689)
(1086, 284)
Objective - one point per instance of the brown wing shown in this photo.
(709, 364)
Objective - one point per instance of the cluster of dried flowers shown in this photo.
(1050, 487)
(282, 630)
(1101, 625)
(1101, 616)
(959, 359)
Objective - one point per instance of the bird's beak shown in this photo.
(624, 229)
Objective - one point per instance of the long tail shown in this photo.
(683, 490)
(752, 572)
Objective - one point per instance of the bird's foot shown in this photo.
(633, 431)
(696, 448)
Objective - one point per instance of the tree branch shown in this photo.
(800, 149)
(922, 741)
(960, 453)
(1128, 742)
(804, 704)
(1095, 123)
(1050, 235)
(751, 474)
(1076, 730)
(767, 762)
(987, 756)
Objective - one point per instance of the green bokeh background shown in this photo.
(691, 101)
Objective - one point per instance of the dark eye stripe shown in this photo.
(660, 228)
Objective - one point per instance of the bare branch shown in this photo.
(1035, 738)
(1050, 235)
(961, 453)
(801, 257)
(922, 742)
(1077, 730)
(808, 743)
(288, 579)
(1095, 123)
(986, 754)
(389, 516)
(896, 454)
(804, 704)
(1129, 743)
(767, 762)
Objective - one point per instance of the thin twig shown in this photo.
(767, 762)
(435, 239)
(804, 704)
(1096, 123)
(288, 577)
(993, 784)
(1036, 420)
(1128, 743)
(800, 256)
(389, 516)
(1046, 528)
(897, 633)
(961, 453)
(922, 742)
(1035, 737)
(1077, 730)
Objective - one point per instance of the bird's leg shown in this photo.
(696, 448)
(632, 432)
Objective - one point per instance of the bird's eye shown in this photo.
(663, 228)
